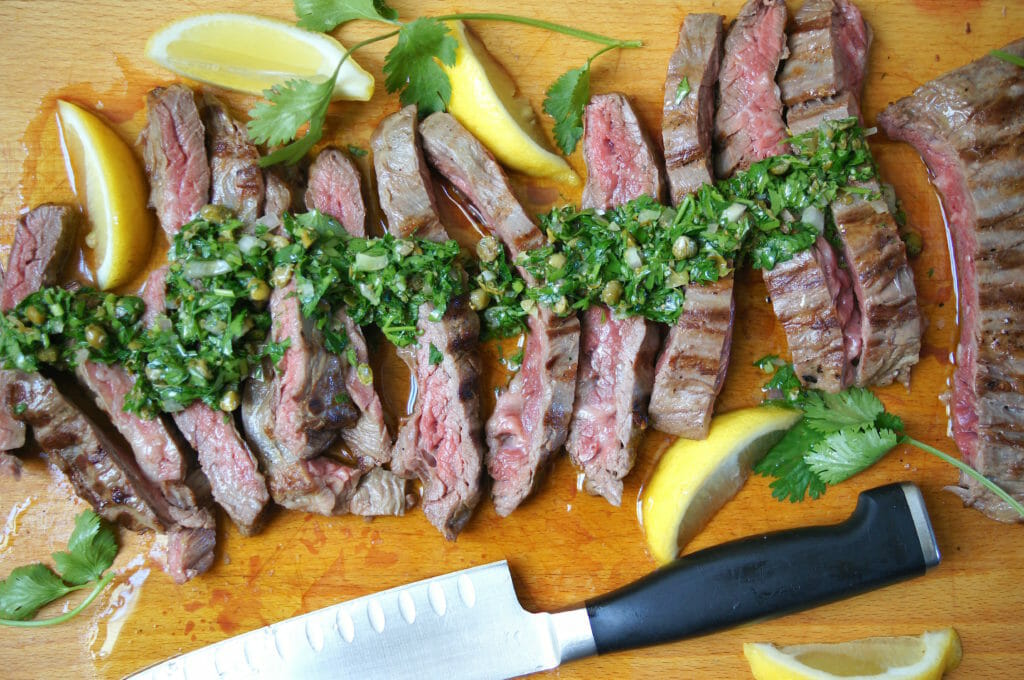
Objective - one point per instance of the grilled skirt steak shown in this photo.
(441, 442)
(175, 153)
(748, 122)
(688, 120)
(42, 242)
(531, 418)
(968, 126)
(616, 362)
(235, 174)
(335, 190)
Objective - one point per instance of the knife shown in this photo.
(469, 624)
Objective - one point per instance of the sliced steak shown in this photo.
(968, 125)
(174, 149)
(403, 178)
(441, 442)
(688, 120)
(748, 122)
(827, 65)
(380, 492)
(531, 419)
(828, 56)
(42, 242)
(234, 476)
(236, 178)
(616, 360)
(334, 189)
(690, 371)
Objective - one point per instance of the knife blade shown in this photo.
(469, 624)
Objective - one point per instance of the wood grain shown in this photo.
(564, 546)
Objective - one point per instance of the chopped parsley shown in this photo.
(682, 89)
(436, 356)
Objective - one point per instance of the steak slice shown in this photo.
(748, 122)
(616, 361)
(687, 121)
(42, 242)
(441, 442)
(334, 189)
(828, 56)
(174, 149)
(968, 125)
(235, 174)
(234, 476)
(403, 178)
(531, 419)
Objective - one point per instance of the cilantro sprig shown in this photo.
(91, 552)
(839, 436)
(412, 68)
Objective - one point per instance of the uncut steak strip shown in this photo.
(441, 442)
(748, 122)
(236, 178)
(531, 418)
(616, 362)
(174, 149)
(688, 121)
(42, 242)
(690, 370)
(828, 56)
(334, 189)
(968, 125)
(235, 479)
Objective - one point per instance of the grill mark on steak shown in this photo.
(174, 150)
(235, 479)
(441, 442)
(42, 242)
(950, 121)
(235, 173)
(687, 123)
(748, 122)
(531, 418)
(335, 190)
(616, 366)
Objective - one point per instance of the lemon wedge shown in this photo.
(694, 479)
(925, 657)
(251, 54)
(105, 171)
(484, 99)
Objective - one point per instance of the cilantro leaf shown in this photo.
(435, 355)
(288, 108)
(683, 89)
(851, 408)
(565, 101)
(888, 421)
(326, 15)
(844, 453)
(411, 68)
(91, 550)
(27, 590)
(785, 462)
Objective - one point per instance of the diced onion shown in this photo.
(201, 269)
(734, 212)
(370, 263)
(813, 217)
(632, 258)
(249, 243)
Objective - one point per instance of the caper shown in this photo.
(677, 279)
(200, 368)
(281, 276)
(277, 241)
(913, 241)
(154, 374)
(229, 401)
(561, 308)
(611, 293)
(47, 355)
(528, 305)
(556, 261)
(35, 315)
(365, 374)
(479, 299)
(684, 247)
(306, 238)
(258, 289)
(488, 249)
(215, 213)
(404, 247)
(779, 167)
(95, 336)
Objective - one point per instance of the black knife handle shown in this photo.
(888, 538)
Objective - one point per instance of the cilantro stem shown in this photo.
(540, 23)
(968, 470)
(66, 616)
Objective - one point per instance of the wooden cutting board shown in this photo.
(563, 545)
